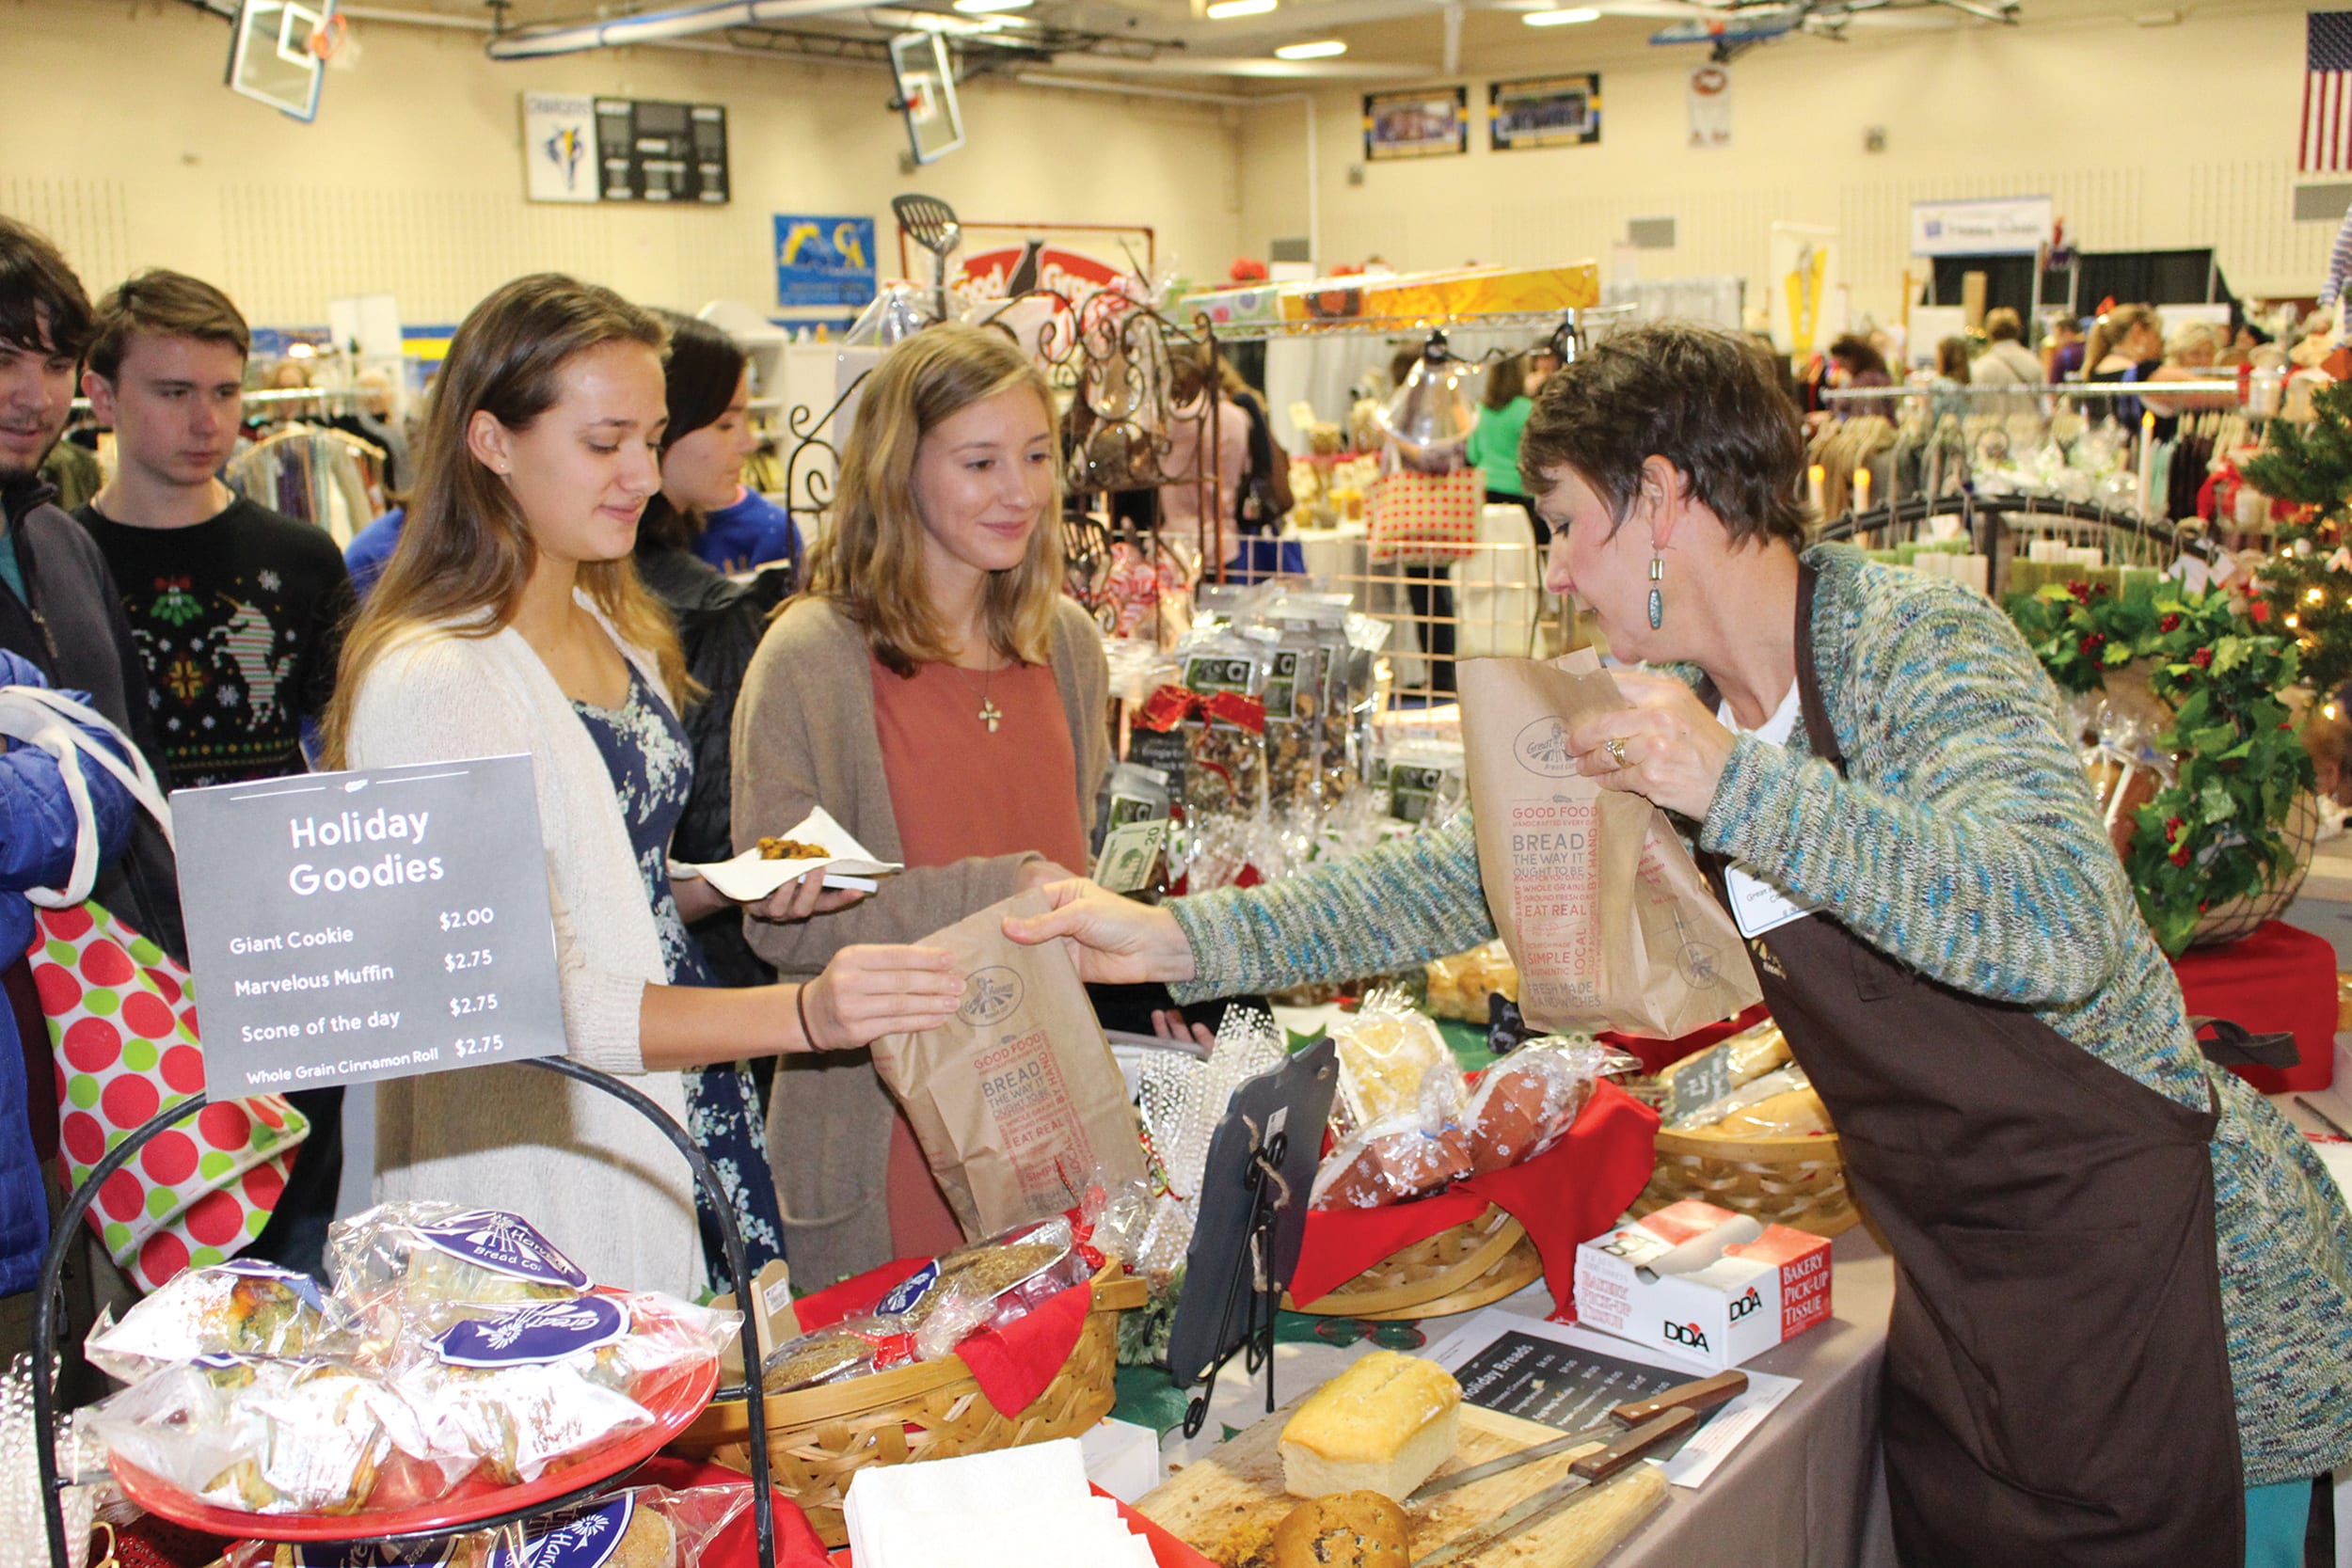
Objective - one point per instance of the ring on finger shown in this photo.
(1614, 746)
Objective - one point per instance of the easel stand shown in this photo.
(45, 1328)
(1251, 1288)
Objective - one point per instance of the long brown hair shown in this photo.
(465, 553)
(869, 562)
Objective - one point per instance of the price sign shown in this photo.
(344, 928)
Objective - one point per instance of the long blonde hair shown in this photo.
(2108, 332)
(465, 553)
(869, 563)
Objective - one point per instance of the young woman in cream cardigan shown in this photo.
(934, 692)
(510, 618)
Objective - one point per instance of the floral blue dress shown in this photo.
(645, 751)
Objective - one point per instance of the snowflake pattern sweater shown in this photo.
(239, 620)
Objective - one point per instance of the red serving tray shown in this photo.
(673, 1402)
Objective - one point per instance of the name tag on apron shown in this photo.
(1757, 906)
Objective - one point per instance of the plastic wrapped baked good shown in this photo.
(1525, 1103)
(645, 1527)
(523, 1390)
(235, 1308)
(266, 1435)
(1374, 1170)
(828, 1356)
(1459, 985)
(1385, 1050)
(417, 1257)
(1780, 1104)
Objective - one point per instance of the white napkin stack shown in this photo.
(1012, 1508)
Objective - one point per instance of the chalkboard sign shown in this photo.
(657, 151)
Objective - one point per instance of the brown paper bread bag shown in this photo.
(1016, 1099)
(1611, 925)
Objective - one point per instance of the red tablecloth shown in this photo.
(2277, 980)
(1656, 1054)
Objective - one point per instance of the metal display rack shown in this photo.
(65, 1234)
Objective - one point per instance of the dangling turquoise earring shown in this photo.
(1657, 597)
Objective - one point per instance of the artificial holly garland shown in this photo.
(2213, 833)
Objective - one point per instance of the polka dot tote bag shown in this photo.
(122, 1023)
(121, 1019)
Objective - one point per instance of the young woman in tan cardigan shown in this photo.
(935, 692)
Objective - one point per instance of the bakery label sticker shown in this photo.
(348, 928)
(902, 1296)
(589, 1540)
(503, 1244)
(547, 1332)
(990, 996)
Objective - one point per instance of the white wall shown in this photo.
(2147, 138)
(118, 138)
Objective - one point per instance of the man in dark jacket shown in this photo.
(58, 607)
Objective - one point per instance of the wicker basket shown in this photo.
(1460, 1269)
(819, 1438)
(1800, 1182)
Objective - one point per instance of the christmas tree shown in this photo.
(2307, 585)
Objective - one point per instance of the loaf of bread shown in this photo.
(1354, 1529)
(1384, 1425)
(1791, 1114)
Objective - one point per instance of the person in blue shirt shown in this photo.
(704, 505)
(370, 548)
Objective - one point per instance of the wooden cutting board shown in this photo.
(1226, 1505)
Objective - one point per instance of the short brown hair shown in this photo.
(2001, 323)
(37, 287)
(869, 562)
(1697, 396)
(164, 304)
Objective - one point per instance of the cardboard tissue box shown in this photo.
(1696, 1280)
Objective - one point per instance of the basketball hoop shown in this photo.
(332, 43)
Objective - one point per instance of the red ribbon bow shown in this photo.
(1170, 706)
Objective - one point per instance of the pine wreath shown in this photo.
(2213, 835)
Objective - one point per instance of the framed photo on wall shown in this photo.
(1432, 123)
(1544, 111)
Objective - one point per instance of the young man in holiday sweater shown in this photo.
(237, 611)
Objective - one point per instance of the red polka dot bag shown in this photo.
(121, 1018)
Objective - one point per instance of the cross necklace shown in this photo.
(990, 713)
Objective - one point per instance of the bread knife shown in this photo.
(1698, 1397)
(1585, 1473)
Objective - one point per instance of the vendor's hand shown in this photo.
(1040, 872)
(1671, 750)
(802, 897)
(869, 992)
(1113, 940)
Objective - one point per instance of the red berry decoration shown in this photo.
(2180, 856)
(2202, 658)
(2081, 592)
(2171, 623)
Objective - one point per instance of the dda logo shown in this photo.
(1745, 1304)
(1690, 1335)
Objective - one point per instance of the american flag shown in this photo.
(2327, 93)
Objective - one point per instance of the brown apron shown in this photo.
(2057, 1382)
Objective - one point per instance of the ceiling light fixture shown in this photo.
(1319, 49)
(1220, 10)
(1561, 18)
(975, 8)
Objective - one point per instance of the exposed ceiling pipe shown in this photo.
(572, 38)
(1126, 90)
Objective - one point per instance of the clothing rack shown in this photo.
(315, 474)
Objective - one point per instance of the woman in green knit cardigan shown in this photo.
(2125, 1285)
